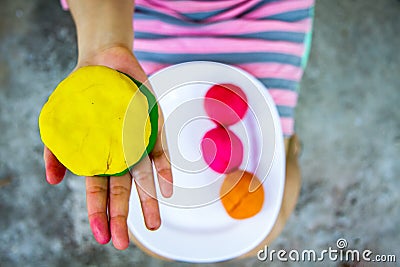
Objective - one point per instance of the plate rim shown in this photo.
(278, 160)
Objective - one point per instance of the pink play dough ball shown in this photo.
(222, 150)
(225, 104)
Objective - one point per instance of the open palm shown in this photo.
(108, 197)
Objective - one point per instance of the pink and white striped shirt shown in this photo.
(268, 38)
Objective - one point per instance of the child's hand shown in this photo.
(112, 193)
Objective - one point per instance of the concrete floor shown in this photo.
(347, 118)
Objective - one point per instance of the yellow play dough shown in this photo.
(96, 122)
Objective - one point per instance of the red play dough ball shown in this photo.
(225, 104)
(222, 150)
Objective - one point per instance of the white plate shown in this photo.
(195, 227)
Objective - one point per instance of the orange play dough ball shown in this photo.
(242, 194)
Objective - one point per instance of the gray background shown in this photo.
(348, 120)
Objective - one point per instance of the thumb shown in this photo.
(55, 171)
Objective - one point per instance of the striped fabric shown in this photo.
(268, 38)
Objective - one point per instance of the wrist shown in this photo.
(118, 57)
(105, 54)
(102, 25)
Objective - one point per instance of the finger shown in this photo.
(55, 171)
(142, 174)
(120, 189)
(161, 161)
(96, 200)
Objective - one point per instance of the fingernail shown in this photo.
(153, 223)
(167, 191)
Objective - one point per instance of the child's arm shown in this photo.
(105, 37)
(101, 25)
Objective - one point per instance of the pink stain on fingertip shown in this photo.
(100, 230)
